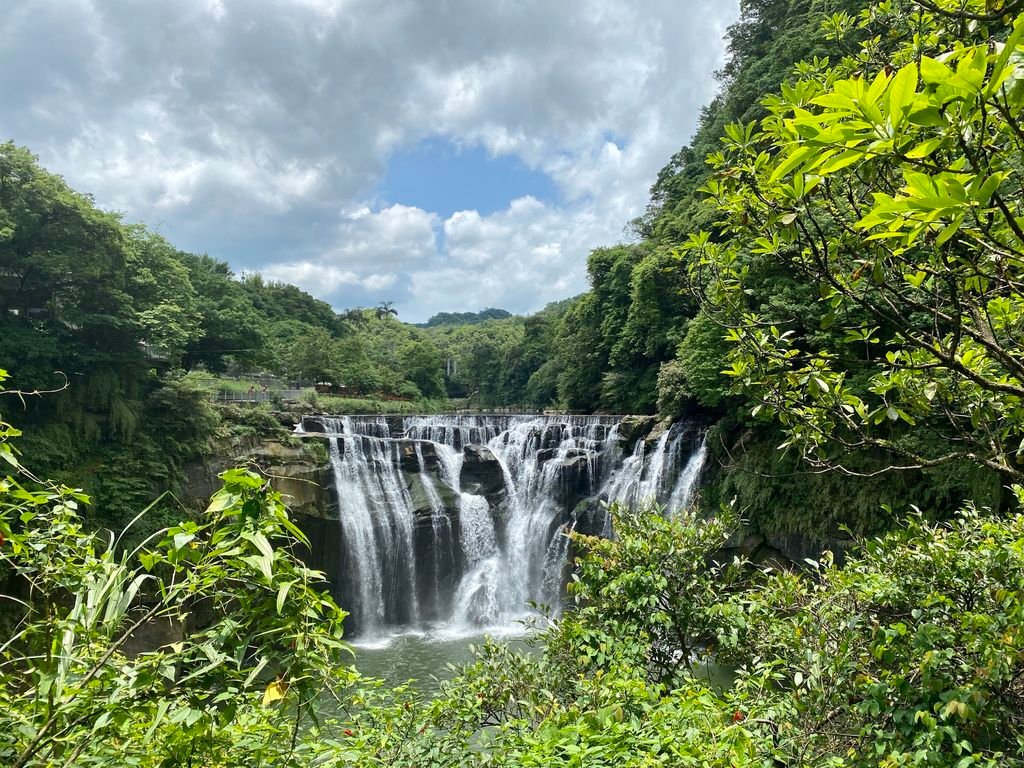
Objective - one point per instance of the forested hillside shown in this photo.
(106, 317)
(650, 336)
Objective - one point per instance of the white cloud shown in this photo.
(258, 129)
(399, 236)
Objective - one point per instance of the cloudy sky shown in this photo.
(446, 155)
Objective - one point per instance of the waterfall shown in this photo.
(439, 523)
(686, 485)
(461, 522)
(661, 476)
(376, 524)
(479, 598)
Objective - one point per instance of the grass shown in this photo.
(361, 406)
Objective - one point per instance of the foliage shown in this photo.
(358, 406)
(107, 312)
(250, 422)
(650, 591)
(909, 655)
(782, 498)
(892, 193)
(612, 340)
(386, 310)
(252, 642)
(466, 318)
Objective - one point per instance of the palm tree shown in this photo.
(354, 318)
(386, 310)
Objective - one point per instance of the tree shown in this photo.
(888, 185)
(313, 356)
(421, 364)
(386, 310)
(168, 313)
(234, 331)
(354, 318)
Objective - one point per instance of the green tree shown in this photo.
(892, 193)
(386, 310)
(233, 330)
(422, 365)
(313, 356)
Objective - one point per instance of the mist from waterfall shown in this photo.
(460, 522)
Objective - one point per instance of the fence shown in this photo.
(258, 396)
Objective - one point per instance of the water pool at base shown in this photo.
(425, 656)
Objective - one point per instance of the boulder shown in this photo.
(633, 428)
(546, 454)
(312, 424)
(416, 484)
(656, 433)
(591, 516)
(573, 476)
(297, 468)
(410, 462)
(303, 488)
(481, 471)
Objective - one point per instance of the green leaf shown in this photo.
(934, 72)
(282, 594)
(8, 456)
(261, 563)
(928, 117)
(841, 161)
(950, 229)
(793, 160)
(261, 543)
(915, 279)
(925, 148)
(902, 91)
(221, 500)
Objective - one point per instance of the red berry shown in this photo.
(348, 732)
(738, 716)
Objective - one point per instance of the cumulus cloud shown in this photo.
(258, 130)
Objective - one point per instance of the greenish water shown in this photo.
(424, 656)
(427, 657)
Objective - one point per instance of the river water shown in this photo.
(426, 657)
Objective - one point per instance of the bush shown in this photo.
(913, 654)
(252, 642)
(250, 422)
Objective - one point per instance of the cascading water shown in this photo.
(462, 521)
(661, 476)
(376, 527)
(686, 485)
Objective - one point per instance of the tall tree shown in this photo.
(889, 185)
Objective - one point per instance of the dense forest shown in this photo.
(827, 274)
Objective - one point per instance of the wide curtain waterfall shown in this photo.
(461, 522)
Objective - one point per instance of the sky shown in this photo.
(446, 155)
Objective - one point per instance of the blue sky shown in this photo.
(446, 157)
(441, 176)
